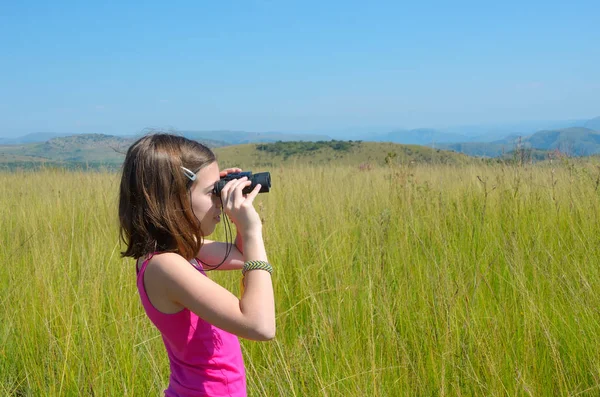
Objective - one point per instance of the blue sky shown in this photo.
(294, 66)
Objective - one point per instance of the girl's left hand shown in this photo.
(228, 171)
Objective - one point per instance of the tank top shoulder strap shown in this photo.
(140, 270)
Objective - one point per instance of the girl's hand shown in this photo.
(239, 208)
(228, 171)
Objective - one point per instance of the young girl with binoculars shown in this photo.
(168, 205)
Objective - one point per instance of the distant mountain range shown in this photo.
(32, 138)
(226, 137)
(581, 140)
(576, 141)
(465, 133)
(216, 138)
(418, 136)
(593, 124)
(576, 138)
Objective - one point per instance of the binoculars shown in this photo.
(262, 178)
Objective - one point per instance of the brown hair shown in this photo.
(155, 211)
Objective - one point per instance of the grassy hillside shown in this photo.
(93, 149)
(105, 151)
(75, 151)
(574, 141)
(9, 161)
(354, 153)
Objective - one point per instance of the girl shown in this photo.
(166, 208)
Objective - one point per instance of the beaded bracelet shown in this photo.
(256, 265)
(253, 265)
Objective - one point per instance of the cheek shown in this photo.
(201, 205)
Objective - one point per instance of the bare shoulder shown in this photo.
(171, 268)
(167, 261)
(164, 273)
(174, 275)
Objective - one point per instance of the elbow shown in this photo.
(264, 333)
(269, 335)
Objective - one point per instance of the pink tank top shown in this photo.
(204, 360)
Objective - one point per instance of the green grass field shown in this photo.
(409, 280)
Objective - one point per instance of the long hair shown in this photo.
(155, 211)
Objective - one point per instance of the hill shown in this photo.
(355, 153)
(93, 149)
(85, 150)
(575, 141)
(31, 138)
(107, 151)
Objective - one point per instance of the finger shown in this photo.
(252, 195)
(227, 189)
(227, 171)
(235, 190)
(239, 188)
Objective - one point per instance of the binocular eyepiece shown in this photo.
(262, 178)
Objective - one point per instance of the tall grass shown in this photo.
(424, 280)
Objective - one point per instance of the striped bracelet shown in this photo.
(256, 265)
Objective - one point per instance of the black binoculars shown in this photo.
(262, 178)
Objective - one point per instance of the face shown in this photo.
(206, 206)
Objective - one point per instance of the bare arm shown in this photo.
(239, 244)
(251, 317)
(258, 299)
(213, 252)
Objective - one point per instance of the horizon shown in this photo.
(524, 126)
(310, 68)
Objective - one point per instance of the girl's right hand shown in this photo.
(238, 207)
